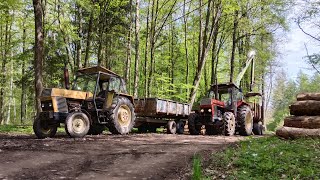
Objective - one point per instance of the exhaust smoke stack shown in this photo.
(66, 78)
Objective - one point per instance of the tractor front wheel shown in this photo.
(229, 124)
(77, 125)
(194, 129)
(42, 129)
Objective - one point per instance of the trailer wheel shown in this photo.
(192, 121)
(180, 127)
(171, 127)
(42, 129)
(244, 121)
(96, 129)
(77, 124)
(229, 124)
(257, 129)
(123, 116)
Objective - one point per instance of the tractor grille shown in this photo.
(46, 106)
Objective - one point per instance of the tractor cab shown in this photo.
(102, 83)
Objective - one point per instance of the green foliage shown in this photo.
(16, 129)
(196, 167)
(268, 158)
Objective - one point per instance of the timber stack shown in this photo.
(305, 117)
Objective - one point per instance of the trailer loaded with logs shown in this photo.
(153, 113)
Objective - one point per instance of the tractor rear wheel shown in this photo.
(244, 121)
(123, 116)
(194, 129)
(42, 129)
(180, 127)
(96, 129)
(77, 124)
(171, 127)
(229, 124)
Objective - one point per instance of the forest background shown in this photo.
(172, 49)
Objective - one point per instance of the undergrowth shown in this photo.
(267, 158)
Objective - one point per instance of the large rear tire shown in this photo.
(244, 121)
(42, 129)
(229, 124)
(194, 129)
(77, 124)
(123, 116)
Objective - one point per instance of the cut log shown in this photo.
(305, 108)
(308, 96)
(293, 133)
(309, 122)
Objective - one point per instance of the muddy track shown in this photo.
(135, 156)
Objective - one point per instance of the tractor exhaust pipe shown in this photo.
(66, 78)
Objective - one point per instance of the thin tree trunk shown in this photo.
(88, 43)
(200, 34)
(137, 43)
(23, 83)
(146, 54)
(234, 36)
(185, 18)
(79, 42)
(38, 52)
(128, 61)
(11, 95)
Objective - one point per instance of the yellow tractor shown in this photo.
(97, 99)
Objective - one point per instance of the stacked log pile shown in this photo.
(305, 117)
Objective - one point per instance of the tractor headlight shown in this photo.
(202, 110)
(209, 110)
(42, 105)
(50, 104)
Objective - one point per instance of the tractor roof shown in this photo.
(224, 85)
(96, 69)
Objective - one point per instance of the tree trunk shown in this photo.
(137, 43)
(88, 43)
(293, 133)
(207, 41)
(200, 34)
(79, 42)
(38, 52)
(234, 43)
(128, 61)
(146, 52)
(185, 18)
(309, 122)
(308, 96)
(307, 108)
(23, 78)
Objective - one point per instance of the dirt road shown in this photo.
(134, 156)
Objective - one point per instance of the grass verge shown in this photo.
(267, 158)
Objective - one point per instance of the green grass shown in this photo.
(16, 129)
(267, 158)
(196, 166)
(21, 129)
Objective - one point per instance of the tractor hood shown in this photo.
(72, 94)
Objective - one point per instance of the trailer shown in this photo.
(152, 113)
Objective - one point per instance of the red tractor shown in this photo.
(224, 110)
(226, 114)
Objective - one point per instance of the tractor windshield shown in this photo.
(85, 82)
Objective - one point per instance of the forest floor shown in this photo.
(134, 156)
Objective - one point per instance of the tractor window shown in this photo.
(85, 83)
(114, 84)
